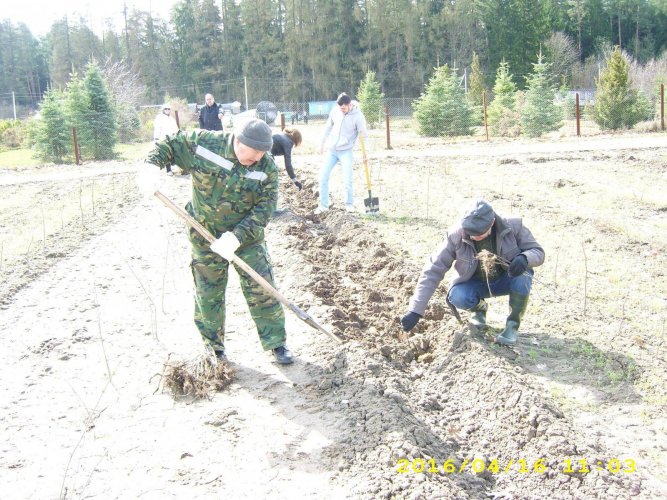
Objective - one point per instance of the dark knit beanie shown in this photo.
(478, 219)
(256, 134)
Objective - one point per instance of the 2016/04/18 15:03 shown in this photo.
(580, 466)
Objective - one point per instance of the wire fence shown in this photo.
(572, 114)
(74, 139)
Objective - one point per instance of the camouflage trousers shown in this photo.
(211, 272)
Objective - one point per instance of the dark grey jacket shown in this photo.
(282, 146)
(208, 117)
(512, 238)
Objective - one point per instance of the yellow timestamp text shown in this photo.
(521, 465)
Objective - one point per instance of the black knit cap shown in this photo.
(478, 218)
(256, 134)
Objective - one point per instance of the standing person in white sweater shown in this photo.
(164, 125)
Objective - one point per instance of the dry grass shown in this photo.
(489, 260)
(196, 378)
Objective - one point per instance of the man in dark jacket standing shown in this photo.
(210, 116)
(492, 256)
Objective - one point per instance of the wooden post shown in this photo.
(77, 158)
(282, 121)
(386, 119)
(486, 122)
(178, 123)
(577, 114)
(662, 106)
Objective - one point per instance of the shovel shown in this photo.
(372, 204)
(302, 315)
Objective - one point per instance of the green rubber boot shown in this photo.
(518, 305)
(478, 317)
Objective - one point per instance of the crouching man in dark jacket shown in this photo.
(492, 256)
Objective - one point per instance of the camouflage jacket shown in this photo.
(240, 200)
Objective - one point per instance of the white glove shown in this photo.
(226, 245)
(148, 180)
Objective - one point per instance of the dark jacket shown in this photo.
(512, 239)
(282, 146)
(208, 117)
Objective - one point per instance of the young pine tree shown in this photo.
(77, 111)
(370, 99)
(102, 116)
(443, 110)
(502, 115)
(539, 113)
(617, 103)
(53, 137)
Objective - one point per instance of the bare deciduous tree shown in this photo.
(124, 85)
(562, 54)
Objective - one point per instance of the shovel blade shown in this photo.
(372, 205)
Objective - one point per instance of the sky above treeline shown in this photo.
(39, 15)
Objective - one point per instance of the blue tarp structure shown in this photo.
(320, 108)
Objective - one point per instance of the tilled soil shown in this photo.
(88, 324)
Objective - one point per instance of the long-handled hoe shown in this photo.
(302, 315)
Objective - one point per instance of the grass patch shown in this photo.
(134, 151)
(608, 368)
(21, 158)
(16, 158)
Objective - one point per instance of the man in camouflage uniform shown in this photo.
(234, 193)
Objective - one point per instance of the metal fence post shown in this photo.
(178, 123)
(386, 119)
(282, 121)
(77, 158)
(576, 113)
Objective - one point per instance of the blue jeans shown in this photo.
(346, 159)
(467, 295)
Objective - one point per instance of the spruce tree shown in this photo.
(102, 117)
(53, 136)
(442, 110)
(370, 99)
(502, 115)
(77, 111)
(617, 103)
(539, 114)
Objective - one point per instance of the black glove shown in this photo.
(297, 184)
(409, 321)
(518, 266)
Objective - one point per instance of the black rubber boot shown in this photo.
(518, 305)
(283, 355)
(478, 317)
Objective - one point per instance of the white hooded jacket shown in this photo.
(164, 125)
(342, 130)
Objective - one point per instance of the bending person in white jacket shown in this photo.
(345, 123)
